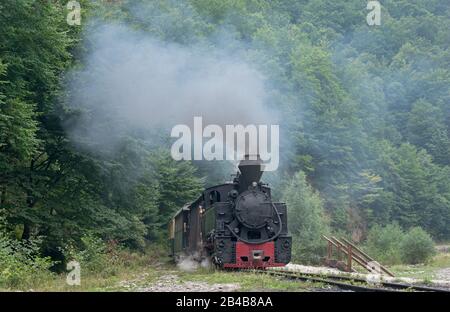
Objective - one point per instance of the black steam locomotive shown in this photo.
(236, 224)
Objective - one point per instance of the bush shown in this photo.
(307, 222)
(91, 253)
(417, 246)
(21, 264)
(106, 258)
(391, 245)
(383, 243)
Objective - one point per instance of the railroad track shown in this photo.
(351, 283)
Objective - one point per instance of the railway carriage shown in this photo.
(236, 224)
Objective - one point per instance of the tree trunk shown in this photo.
(2, 196)
(26, 231)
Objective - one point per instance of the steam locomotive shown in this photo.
(235, 225)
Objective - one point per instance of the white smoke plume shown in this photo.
(188, 264)
(191, 263)
(133, 83)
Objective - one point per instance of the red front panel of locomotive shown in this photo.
(254, 256)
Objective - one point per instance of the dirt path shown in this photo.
(443, 274)
(172, 283)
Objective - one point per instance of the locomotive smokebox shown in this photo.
(251, 168)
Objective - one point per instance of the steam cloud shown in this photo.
(191, 264)
(132, 83)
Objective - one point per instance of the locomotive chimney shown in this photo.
(251, 169)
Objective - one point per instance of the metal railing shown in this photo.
(346, 253)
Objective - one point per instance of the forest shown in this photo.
(86, 112)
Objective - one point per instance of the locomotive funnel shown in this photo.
(251, 171)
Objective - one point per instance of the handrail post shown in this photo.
(330, 251)
(349, 258)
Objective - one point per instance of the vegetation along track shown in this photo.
(351, 283)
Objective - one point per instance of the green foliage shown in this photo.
(414, 190)
(417, 246)
(306, 219)
(98, 257)
(21, 263)
(365, 119)
(177, 184)
(427, 129)
(34, 51)
(18, 127)
(391, 245)
(383, 243)
(90, 253)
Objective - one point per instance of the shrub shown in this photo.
(105, 258)
(416, 246)
(91, 253)
(307, 222)
(391, 245)
(21, 265)
(383, 243)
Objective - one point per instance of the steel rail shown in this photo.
(341, 285)
(342, 282)
(393, 285)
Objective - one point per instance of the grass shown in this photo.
(123, 266)
(131, 278)
(426, 271)
(135, 270)
(248, 281)
(92, 281)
